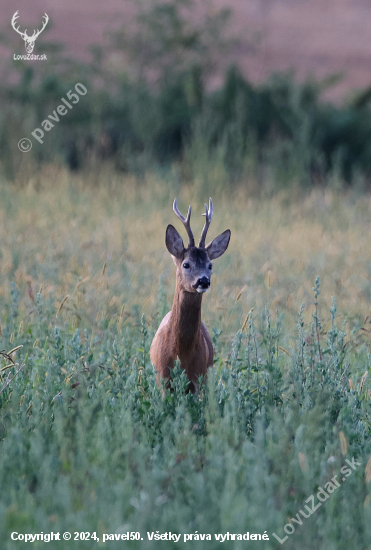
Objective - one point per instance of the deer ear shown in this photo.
(174, 242)
(219, 245)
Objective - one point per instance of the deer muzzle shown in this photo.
(202, 284)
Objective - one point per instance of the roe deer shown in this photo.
(182, 333)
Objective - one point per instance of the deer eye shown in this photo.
(210, 266)
(186, 265)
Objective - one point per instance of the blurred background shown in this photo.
(273, 92)
(262, 104)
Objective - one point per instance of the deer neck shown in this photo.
(186, 319)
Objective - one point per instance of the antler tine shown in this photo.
(15, 17)
(14, 22)
(186, 222)
(208, 214)
(44, 23)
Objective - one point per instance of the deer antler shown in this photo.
(209, 215)
(14, 19)
(24, 34)
(45, 22)
(186, 222)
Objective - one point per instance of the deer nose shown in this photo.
(203, 282)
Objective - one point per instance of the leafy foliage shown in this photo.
(89, 442)
(158, 109)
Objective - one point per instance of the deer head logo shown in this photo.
(29, 40)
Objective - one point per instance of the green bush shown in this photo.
(154, 108)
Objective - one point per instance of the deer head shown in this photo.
(29, 40)
(194, 264)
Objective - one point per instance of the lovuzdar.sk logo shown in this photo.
(29, 41)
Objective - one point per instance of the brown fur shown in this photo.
(182, 333)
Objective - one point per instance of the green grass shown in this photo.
(87, 441)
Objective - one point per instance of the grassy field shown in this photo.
(87, 443)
